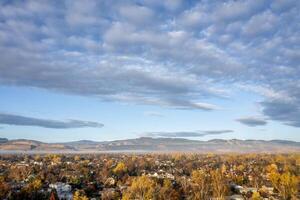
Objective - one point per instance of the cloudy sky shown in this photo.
(105, 70)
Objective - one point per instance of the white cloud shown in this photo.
(174, 54)
(82, 13)
(261, 23)
(137, 14)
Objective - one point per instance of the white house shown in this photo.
(64, 191)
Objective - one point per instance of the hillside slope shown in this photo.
(156, 145)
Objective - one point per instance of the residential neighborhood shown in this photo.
(150, 176)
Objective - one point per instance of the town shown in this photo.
(150, 176)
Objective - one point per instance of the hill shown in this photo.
(148, 144)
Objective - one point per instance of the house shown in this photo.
(110, 182)
(38, 163)
(248, 190)
(236, 197)
(236, 188)
(110, 193)
(161, 175)
(64, 191)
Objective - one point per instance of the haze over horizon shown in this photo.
(108, 70)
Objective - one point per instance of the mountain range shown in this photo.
(148, 144)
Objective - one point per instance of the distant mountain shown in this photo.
(3, 140)
(32, 145)
(82, 142)
(148, 144)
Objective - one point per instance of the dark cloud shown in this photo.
(17, 120)
(252, 121)
(286, 112)
(187, 133)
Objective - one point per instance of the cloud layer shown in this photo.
(187, 133)
(10, 119)
(176, 54)
(252, 121)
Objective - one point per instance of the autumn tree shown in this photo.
(110, 195)
(120, 169)
(56, 158)
(34, 185)
(77, 158)
(167, 191)
(272, 168)
(200, 184)
(32, 190)
(255, 196)
(286, 184)
(219, 185)
(19, 173)
(79, 196)
(4, 188)
(142, 188)
(186, 188)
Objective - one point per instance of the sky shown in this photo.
(107, 70)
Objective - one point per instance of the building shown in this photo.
(64, 191)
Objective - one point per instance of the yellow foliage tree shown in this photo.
(78, 196)
(4, 188)
(120, 168)
(36, 184)
(219, 186)
(255, 196)
(77, 158)
(33, 186)
(200, 184)
(286, 184)
(142, 188)
(167, 191)
(272, 168)
(56, 158)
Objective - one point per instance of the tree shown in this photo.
(286, 184)
(77, 158)
(110, 195)
(4, 188)
(56, 159)
(76, 195)
(272, 168)
(120, 169)
(34, 186)
(219, 186)
(167, 191)
(255, 196)
(79, 196)
(19, 173)
(31, 190)
(201, 184)
(142, 188)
